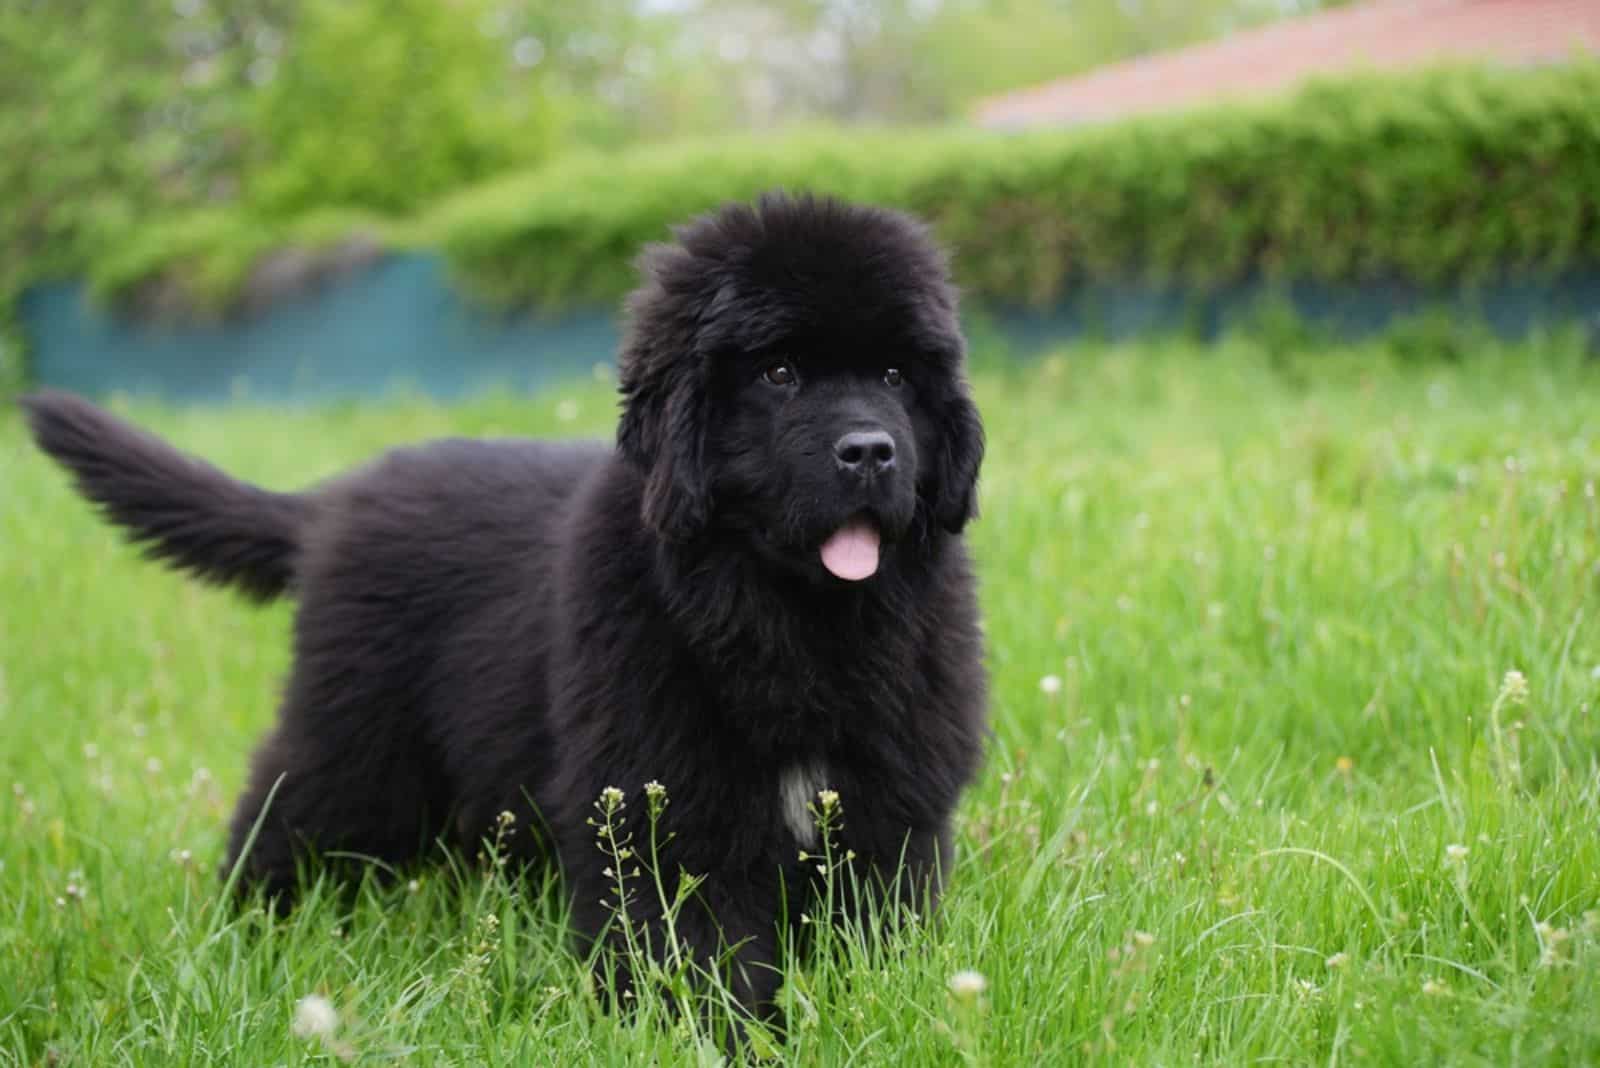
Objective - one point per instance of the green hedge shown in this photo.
(1450, 174)
(1453, 174)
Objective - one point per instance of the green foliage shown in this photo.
(1435, 336)
(190, 135)
(569, 234)
(1452, 174)
(206, 258)
(79, 157)
(386, 106)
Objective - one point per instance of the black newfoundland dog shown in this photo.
(760, 593)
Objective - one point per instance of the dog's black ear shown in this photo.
(662, 432)
(665, 386)
(955, 490)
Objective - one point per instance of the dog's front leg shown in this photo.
(730, 932)
(724, 929)
(895, 875)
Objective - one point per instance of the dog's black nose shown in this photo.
(865, 452)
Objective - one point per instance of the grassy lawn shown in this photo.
(1261, 788)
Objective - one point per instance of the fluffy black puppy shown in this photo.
(761, 592)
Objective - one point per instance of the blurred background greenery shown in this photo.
(113, 110)
(164, 151)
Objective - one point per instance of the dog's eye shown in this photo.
(893, 377)
(779, 374)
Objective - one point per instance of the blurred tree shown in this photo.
(599, 60)
(384, 105)
(114, 112)
(90, 124)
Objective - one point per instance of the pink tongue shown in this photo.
(852, 552)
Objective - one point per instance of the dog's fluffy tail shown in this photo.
(176, 508)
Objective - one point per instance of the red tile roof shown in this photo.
(1375, 34)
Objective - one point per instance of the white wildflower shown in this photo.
(968, 985)
(315, 1017)
(1514, 688)
(1552, 939)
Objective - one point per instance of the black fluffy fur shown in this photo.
(517, 625)
(177, 508)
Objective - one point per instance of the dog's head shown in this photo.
(793, 375)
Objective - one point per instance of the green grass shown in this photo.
(1279, 595)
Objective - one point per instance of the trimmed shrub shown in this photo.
(1454, 174)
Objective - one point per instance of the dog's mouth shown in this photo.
(851, 552)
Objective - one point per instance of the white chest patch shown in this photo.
(797, 794)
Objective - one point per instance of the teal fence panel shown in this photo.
(398, 326)
(401, 326)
